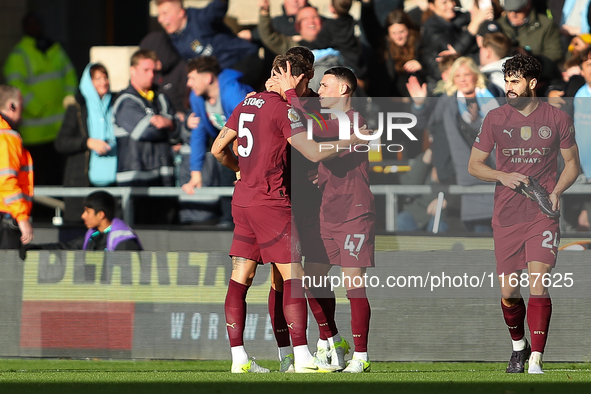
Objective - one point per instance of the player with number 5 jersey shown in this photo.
(528, 135)
(264, 124)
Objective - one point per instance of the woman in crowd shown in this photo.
(87, 139)
(460, 111)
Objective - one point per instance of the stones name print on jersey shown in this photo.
(257, 102)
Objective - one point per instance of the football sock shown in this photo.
(539, 311)
(302, 354)
(322, 344)
(360, 315)
(334, 339)
(322, 305)
(515, 320)
(277, 319)
(284, 351)
(239, 355)
(361, 356)
(518, 345)
(235, 309)
(295, 310)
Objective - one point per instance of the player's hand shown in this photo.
(26, 231)
(555, 98)
(284, 78)
(513, 180)
(195, 182)
(417, 91)
(412, 66)
(99, 146)
(193, 121)
(251, 94)
(313, 176)
(555, 200)
(160, 122)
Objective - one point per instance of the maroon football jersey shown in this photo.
(344, 180)
(263, 123)
(528, 145)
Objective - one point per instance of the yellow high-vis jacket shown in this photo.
(44, 79)
(16, 174)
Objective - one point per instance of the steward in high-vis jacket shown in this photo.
(16, 174)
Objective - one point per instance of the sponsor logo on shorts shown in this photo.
(544, 132)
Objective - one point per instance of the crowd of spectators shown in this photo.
(158, 131)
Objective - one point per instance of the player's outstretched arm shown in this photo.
(478, 168)
(568, 175)
(221, 148)
(316, 152)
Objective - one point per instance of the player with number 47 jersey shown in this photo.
(263, 125)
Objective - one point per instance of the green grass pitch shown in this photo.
(175, 377)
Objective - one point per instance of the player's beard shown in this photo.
(522, 100)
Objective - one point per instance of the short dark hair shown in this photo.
(344, 74)
(204, 64)
(447, 61)
(298, 64)
(101, 201)
(584, 55)
(523, 65)
(342, 7)
(306, 54)
(142, 54)
(98, 68)
(498, 42)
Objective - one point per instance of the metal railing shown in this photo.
(212, 194)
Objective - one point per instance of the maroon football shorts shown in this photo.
(518, 244)
(264, 234)
(351, 243)
(308, 228)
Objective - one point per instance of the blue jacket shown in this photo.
(207, 35)
(232, 92)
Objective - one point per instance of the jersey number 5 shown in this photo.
(243, 131)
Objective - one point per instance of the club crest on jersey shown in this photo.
(525, 133)
(293, 115)
(544, 132)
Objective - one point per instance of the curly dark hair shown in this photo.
(523, 65)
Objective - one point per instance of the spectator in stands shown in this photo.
(16, 174)
(214, 95)
(494, 52)
(460, 111)
(145, 127)
(533, 33)
(449, 31)
(309, 25)
(86, 138)
(171, 76)
(105, 231)
(575, 17)
(42, 71)
(419, 211)
(582, 114)
(284, 23)
(397, 54)
(202, 32)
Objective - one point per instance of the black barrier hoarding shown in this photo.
(172, 320)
